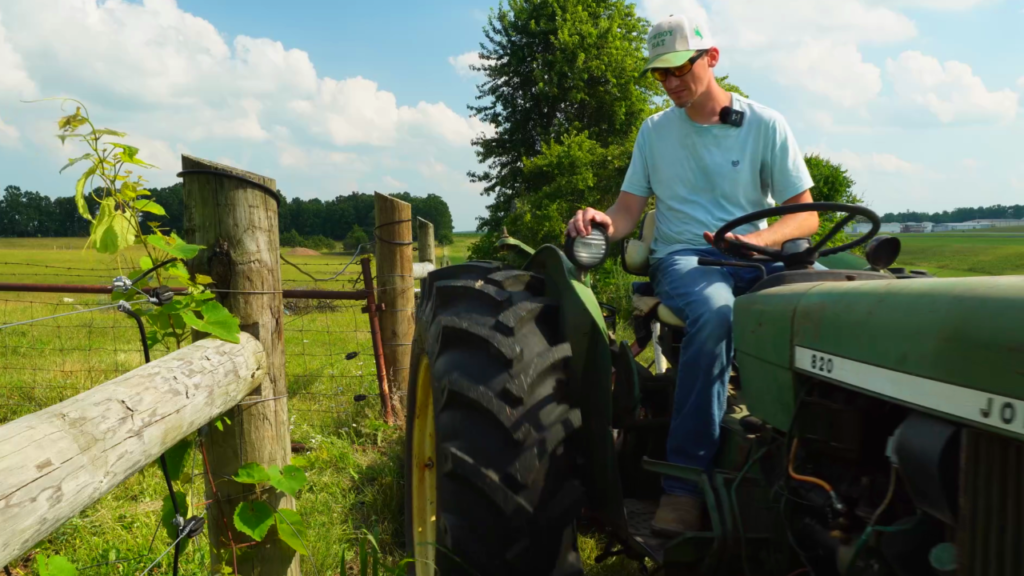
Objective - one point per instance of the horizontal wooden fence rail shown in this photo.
(56, 462)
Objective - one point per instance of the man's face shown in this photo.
(684, 90)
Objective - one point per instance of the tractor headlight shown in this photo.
(586, 252)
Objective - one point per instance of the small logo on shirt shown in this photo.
(735, 163)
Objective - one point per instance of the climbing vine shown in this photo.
(112, 180)
(256, 517)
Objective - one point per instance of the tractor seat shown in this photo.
(636, 260)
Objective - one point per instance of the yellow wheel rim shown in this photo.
(424, 472)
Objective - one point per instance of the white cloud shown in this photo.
(826, 121)
(355, 111)
(837, 71)
(938, 4)
(874, 162)
(395, 184)
(949, 91)
(293, 156)
(195, 85)
(8, 134)
(462, 63)
(440, 119)
(810, 44)
(13, 76)
(244, 126)
(1020, 81)
(970, 163)
(184, 84)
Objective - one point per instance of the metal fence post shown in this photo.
(378, 349)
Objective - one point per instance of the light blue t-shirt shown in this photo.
(704, 176)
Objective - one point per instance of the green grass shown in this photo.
(962, 254)
(458, 252)
(354, 461)
(998, 230)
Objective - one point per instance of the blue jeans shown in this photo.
(702, 297)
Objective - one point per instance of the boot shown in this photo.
(678, 514)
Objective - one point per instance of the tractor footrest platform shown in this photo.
(639, 514)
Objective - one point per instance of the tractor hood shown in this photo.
(953, 347)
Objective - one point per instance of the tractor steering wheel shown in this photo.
(799, 251)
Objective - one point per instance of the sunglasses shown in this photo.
(661, 74)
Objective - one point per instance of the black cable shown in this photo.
(153, 269)
(395, 242)
(177, 557)
(163, 458)
(142, 331)
(247, 180)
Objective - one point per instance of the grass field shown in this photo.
(1001, 230)
(354, 459)
(354, 462)
(964, 254)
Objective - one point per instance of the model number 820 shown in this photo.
(821, 363)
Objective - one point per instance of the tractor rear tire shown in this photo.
(507, 497)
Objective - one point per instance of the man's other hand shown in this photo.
(581, 223)
(730, 246)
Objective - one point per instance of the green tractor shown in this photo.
(874, 426)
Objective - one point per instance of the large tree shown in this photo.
(554, 69)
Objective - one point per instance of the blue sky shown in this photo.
(919, 99)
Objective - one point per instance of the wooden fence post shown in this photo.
(426, 240)
(395, 287)
(233, 214)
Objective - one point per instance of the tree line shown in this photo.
(997, 212)
(27, 213)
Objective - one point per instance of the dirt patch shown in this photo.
(302, 252)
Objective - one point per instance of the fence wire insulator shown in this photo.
(161, 295)
(195, 527)
(122, 284)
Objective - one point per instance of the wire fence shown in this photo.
(329, 359)
(55, 345)
(58, 345)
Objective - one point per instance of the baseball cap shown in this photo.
(673, 41)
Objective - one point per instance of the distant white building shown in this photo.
(958, 227)
(916, 227)
(865, 227)
(997, 222)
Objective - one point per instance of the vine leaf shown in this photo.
(291, 529)
(167, 514)
(216, 320)
(254, 519)
(252, 473)
(83, 208)
(106, 132)
(174, 245)
(55, 566)
(177, 269)
(289, 480)
(73, 161)
(175, 458)
(150, 206)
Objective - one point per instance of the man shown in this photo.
(703, 174)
